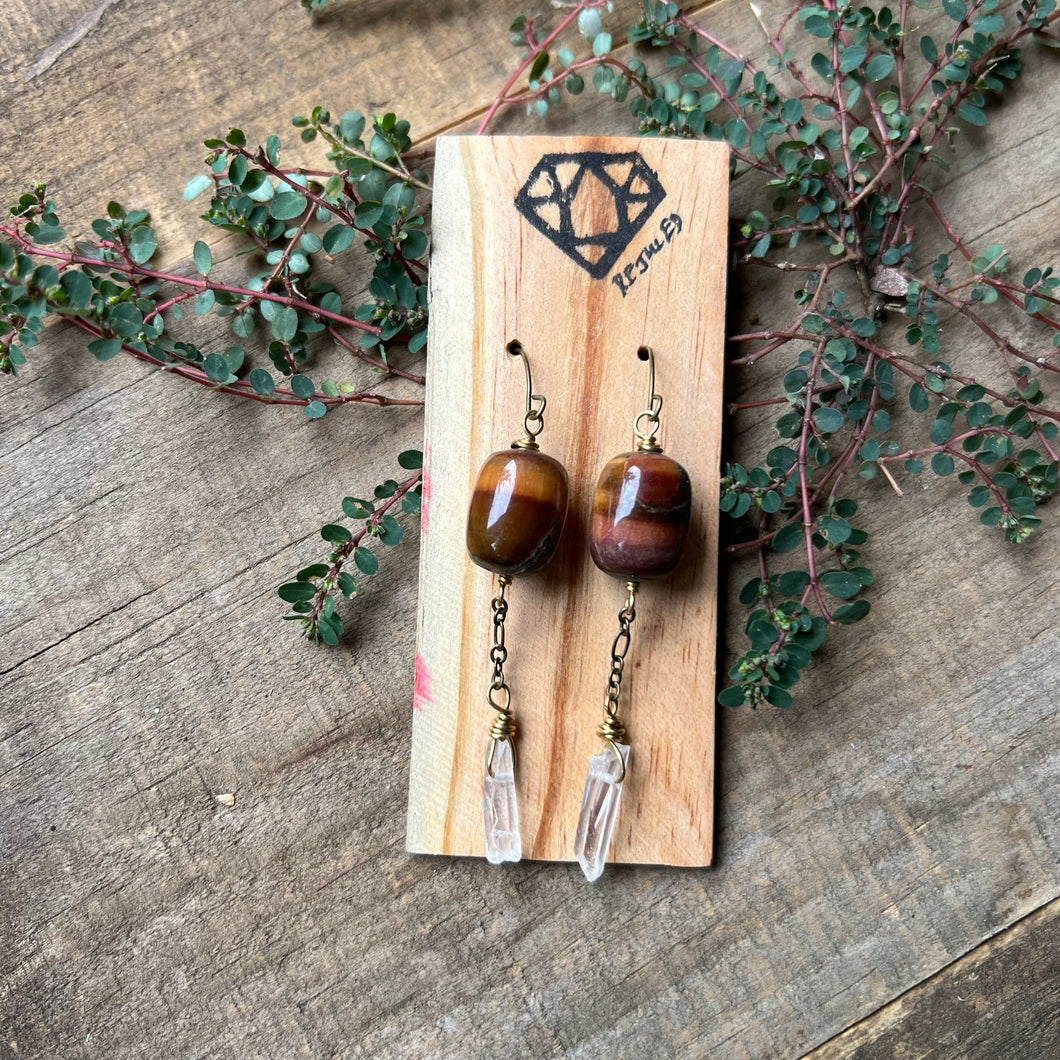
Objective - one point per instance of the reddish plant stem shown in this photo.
(964, 307)
(958, 454)
(177, 299)
(770, 334)
(837, 469)
(899, 54)
(199, 285)
(375, 362)
(882, 140)
(340, 211)
(900, 363)
(828, 388)
(844, 116)
(781, 338)
(943, 56)
(1003, 288)
(1000, 282)
(765, 539)
(242, 388)
(289, 249)
(950, 99)
(347, 548)
(500, 99)
(792, 230)
(774, 41)
(854, 258)
(804, 486)
(401, 171)
(581, 64)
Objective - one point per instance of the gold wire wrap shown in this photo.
(503, 727)
(611, 730)
(646, 442)
(533, 421)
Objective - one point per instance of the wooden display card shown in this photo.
(583, 249)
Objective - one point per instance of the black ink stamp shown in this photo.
(590, 204)
(626, 277)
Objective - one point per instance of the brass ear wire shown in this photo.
(533, 421)
(646, 442)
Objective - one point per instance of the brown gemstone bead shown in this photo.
(640, 515)
(517, 511)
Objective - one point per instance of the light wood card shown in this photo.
(583, 249)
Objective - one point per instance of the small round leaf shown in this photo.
(366, 561)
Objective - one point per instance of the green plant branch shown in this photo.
(67, 259)
(313, 594)
(281, 395)
(535, 50)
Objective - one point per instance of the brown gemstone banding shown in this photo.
(639, 521)
(518, 508)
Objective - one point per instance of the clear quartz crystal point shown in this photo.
(500, 810)
(596, 825)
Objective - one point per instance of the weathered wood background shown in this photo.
(887, 871)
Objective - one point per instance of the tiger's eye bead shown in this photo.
(517, 511)
(639, 521)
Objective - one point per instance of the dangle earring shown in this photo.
(637, 530)
(518, 508)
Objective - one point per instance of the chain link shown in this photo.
(498, 695)
(619, 648)
(498, 652)
(612, 731)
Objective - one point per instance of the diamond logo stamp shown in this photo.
(590, 204)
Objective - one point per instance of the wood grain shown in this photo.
(496, 278)
(998, 1000)
(902, 815)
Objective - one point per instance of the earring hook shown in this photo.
(646, 442)
(533, 421)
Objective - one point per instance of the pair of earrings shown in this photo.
(637, 530)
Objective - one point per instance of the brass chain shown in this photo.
(612, 730)
(499, 695)
(498, 652)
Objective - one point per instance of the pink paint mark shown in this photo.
(422, 696)
(425, 497)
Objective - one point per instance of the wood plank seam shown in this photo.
(969, 956)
